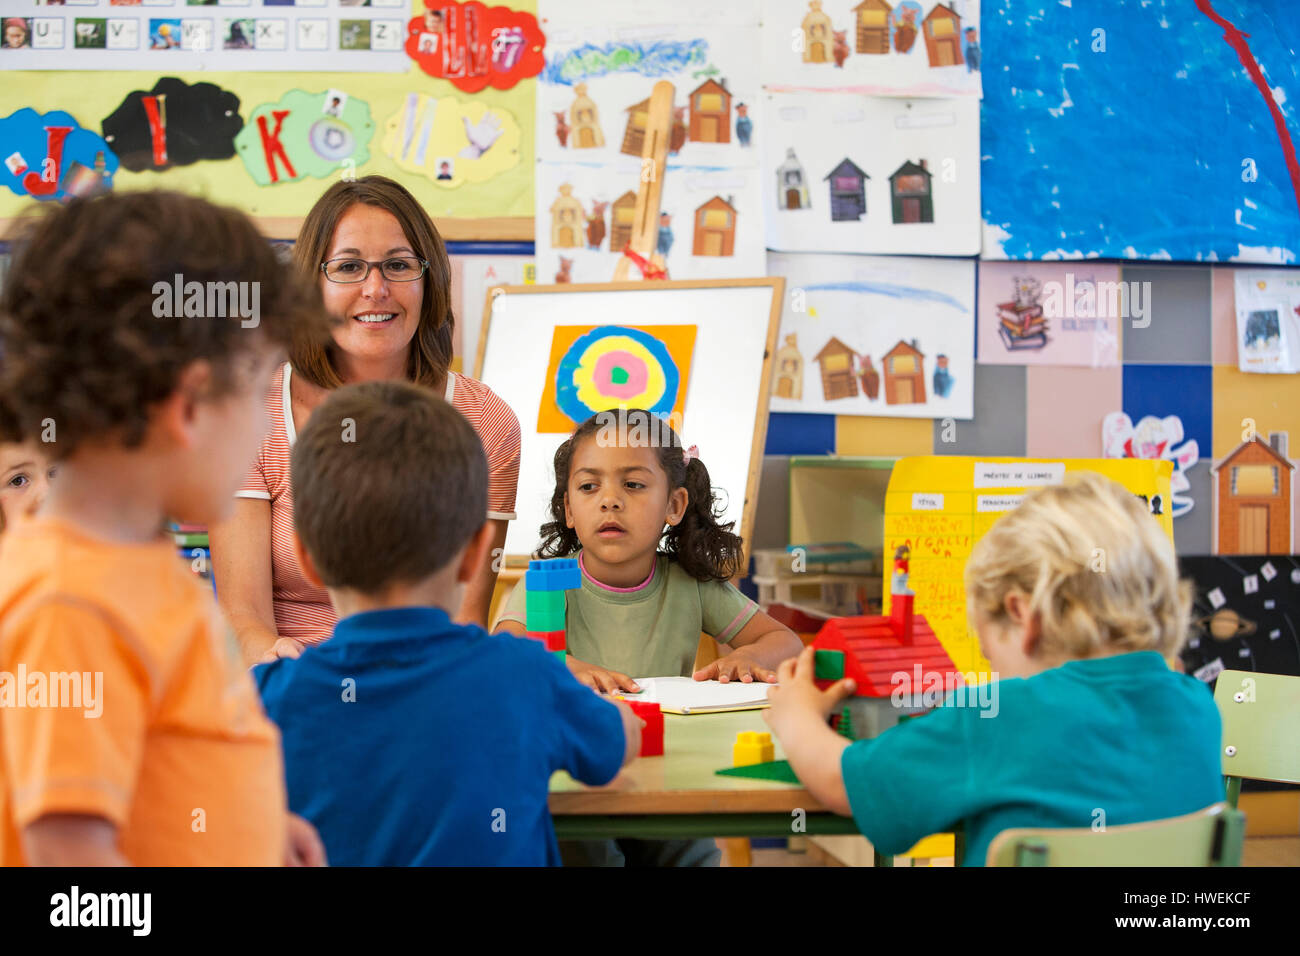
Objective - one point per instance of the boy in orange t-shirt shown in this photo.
(138, 333)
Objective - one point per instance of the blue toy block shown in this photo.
(556, 574)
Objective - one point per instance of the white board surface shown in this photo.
(726, 390)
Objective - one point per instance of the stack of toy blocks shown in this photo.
(544, 585)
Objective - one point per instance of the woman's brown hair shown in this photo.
(431, 347)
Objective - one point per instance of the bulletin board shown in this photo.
(941, 505)
(725, 374)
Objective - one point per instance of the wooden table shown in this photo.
(678, 795)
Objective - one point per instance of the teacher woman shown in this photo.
(384, 277)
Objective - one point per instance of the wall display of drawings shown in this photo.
(877, 335)
(1268, 320)
(1057, 185)
(1050, 314)
(847, 173)
(174, 36)
(1155, 439)
(592, 109)
(699, 352)
(892, 47)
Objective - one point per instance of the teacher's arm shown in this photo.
(477, 601)
(241, 562)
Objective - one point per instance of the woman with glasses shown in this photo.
(385, 279)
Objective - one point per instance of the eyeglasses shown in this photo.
(396, 269)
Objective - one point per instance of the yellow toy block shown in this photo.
(752, 747)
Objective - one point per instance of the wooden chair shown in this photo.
(1209, 837)
(1261, 728)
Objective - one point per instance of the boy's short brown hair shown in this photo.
(82, 342)
(389, 482)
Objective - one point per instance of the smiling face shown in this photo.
(618, 502)
(378, 317)
(24, 479)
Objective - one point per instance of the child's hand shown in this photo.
(283, 647)
(600, 679)
(303, 846)
(738, 665)
(798, 697)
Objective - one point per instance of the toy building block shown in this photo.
(752, 747)
(539, 622)
(828, 665)
(544, 601)
(774, 770)
(557, 574)
(652, 734)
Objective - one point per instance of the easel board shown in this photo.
(726, 386)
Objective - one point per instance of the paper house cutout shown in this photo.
(710, 108)
(638, 117)
(872, 26)
(1252, 490)
(568, 220)
(789, 370)
(584, 121)
(621, 216)
(848, 192)
(816, 28)
(942, 30)
(715, 228)
(904, 375)
(836, 361)
(909, 188)
(791, 184)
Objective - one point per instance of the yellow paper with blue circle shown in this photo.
(452, 141)
(595, 368)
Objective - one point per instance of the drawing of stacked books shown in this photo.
(1022, 325)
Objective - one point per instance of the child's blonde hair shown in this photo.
(1092, 562)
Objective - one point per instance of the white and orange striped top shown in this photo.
(302, 610)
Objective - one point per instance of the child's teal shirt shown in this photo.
(1110, 741)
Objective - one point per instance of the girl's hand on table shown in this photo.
(740, 665)
(600, 679)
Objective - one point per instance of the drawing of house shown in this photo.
(848, 192)
(789, 370)
(1253, 490)
(904, 375)
(638, 115)
(710, 107)
(909, 190)
(816, 34)
(836, 361)
(872, 33)
(791, 189)
(568, 220)
(584, 120)
(942, 31)
(622, 215)
(715, 228)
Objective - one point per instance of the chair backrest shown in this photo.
(1209, 837)
(1261, 725)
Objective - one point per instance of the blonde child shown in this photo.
(156, 751)
(1090, 724)
(639, 512)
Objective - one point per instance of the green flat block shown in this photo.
(544, 601)
(560, 655)
(539, 622)
(776, 770)
(828, 665)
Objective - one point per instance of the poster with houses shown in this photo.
(591, 130)
(880, 47)
(1044, 313)
(875, 335)
(850, 173)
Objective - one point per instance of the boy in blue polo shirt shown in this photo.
(1077, 603)
(410, 739)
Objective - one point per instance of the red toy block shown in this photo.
(554, 640)
(652, 735)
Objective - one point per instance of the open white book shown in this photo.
(682, 695)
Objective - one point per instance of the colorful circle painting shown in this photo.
(615, 367)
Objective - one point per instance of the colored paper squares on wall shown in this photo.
(1163, 390)
(596, 368)
(998, 427)
(1166, 315)
(1065, 408)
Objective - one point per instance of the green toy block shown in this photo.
(775, 770)
(845, 728)
(828, 665)
(539, 621)
(545, 601)
(559, 655)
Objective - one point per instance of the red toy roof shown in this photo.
(873, 653)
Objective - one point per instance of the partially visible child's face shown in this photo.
(618, 500)
(24, 479)
(1003, 642)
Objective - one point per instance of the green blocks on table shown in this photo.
(828, 665)
(544, 611)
